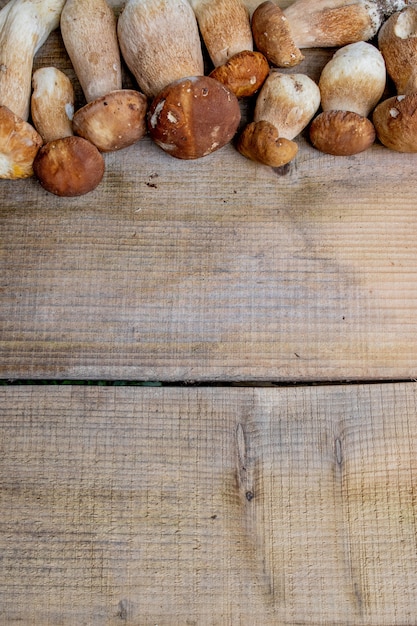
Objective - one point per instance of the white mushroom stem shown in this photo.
(288, 101)
(24, 27)
(52, 103)
(224, 27)
(90, 38)
(328, 23)
(160, 42)
(354, 79)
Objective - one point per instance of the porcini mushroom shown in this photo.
(70, 166)
(244, 73)
(65, 165)
(351, 84)
(397, 42)
(286, 103)
(24, 27)
(224, 26)
(113, 118)
(160, 42)
(395, 118)
(192, 117)
(272, 35)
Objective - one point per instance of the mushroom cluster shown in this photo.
(194, 61)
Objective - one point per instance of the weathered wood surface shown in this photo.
(209, 506)
(218, 269)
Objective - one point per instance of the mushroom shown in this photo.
(159, 42)
(244, 73)
(351, 84)
(272, 35)
(286, 103)
(70, 166)
(65, 165)
(24, 27)
(52, 103)
(192, 117)
(336, 23)
(113, 117)
(397, 41)
(224, 27)
(395, 118)
(260, 142)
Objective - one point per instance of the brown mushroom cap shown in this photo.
(19, 144)
(395, 121)
(341, 133)
(272, 35)
(193, 117)
(114, 121)
(397, 41)
(260, 142)
(244, 73)
(70, 166)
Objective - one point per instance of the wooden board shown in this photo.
(216, 269)
(208, 506)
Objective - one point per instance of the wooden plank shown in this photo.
(209, 506)
(217, 269)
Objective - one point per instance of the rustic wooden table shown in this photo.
(211, 504)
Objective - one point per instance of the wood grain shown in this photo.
(208, 506)
(216, 269)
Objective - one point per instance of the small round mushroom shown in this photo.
(351, 84)
(272, 35)
(52, 103)
(224, 26)
(113, 118)
(159, 42)
(341, 133)
(260, 142)
(69, 167)
(193, 117)
(395, 121)
(244, 73)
